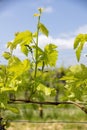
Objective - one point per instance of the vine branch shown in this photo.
(50, 103)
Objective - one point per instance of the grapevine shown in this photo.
(28, 75)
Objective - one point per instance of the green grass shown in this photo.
(31, 113)
(54, 117)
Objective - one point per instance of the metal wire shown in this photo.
(59, 122)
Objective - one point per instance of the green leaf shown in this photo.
(68, 78)
(75, 69)
(79, 43)
(35, 34)
(14, 60)
(43, 29)
(3, 99)
(78, 51)
(18, 68)
(2, 105)
(26, 64)
(6, 55)
(49, 56)
(25, 50)
(36, 15)
(77, 40)
(40, 10)
(11, 46)
(23, 38)
(1, 84)
(72, 95)
(13, 109)
(47, 91)
(2, 72)
(3, 89)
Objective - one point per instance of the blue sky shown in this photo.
(64, 19)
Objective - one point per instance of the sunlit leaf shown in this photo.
(13, 109)
(78, 51)
(35, 34)
(3, 89)
(43, 29)
(49, 56)
(26, 64)
(25, 50)
(1, 84)
(79, 43)
(6, 55)
(40, 10)
(14, 60)
(2, 105)
(18, 68)
(78, 40)
(44, 89)
(36, 15)
(23, 38)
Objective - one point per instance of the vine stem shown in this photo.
(37, 47)
(50, 103)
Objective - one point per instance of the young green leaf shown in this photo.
(10, 45)
(44, 89)
(7, 55)
(78, 53)
(40, 10)
(13, 60)
(77, 40)
(49, 55)
(79, 43)
(26, 64)
(18, 68)
(36, 15)
(6, 89)
(24, 49)
(35, 34)
(43, 29)
(23, 38)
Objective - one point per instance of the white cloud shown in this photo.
(64, 41)
(18, 52)
(60, 42)
(48, 9)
